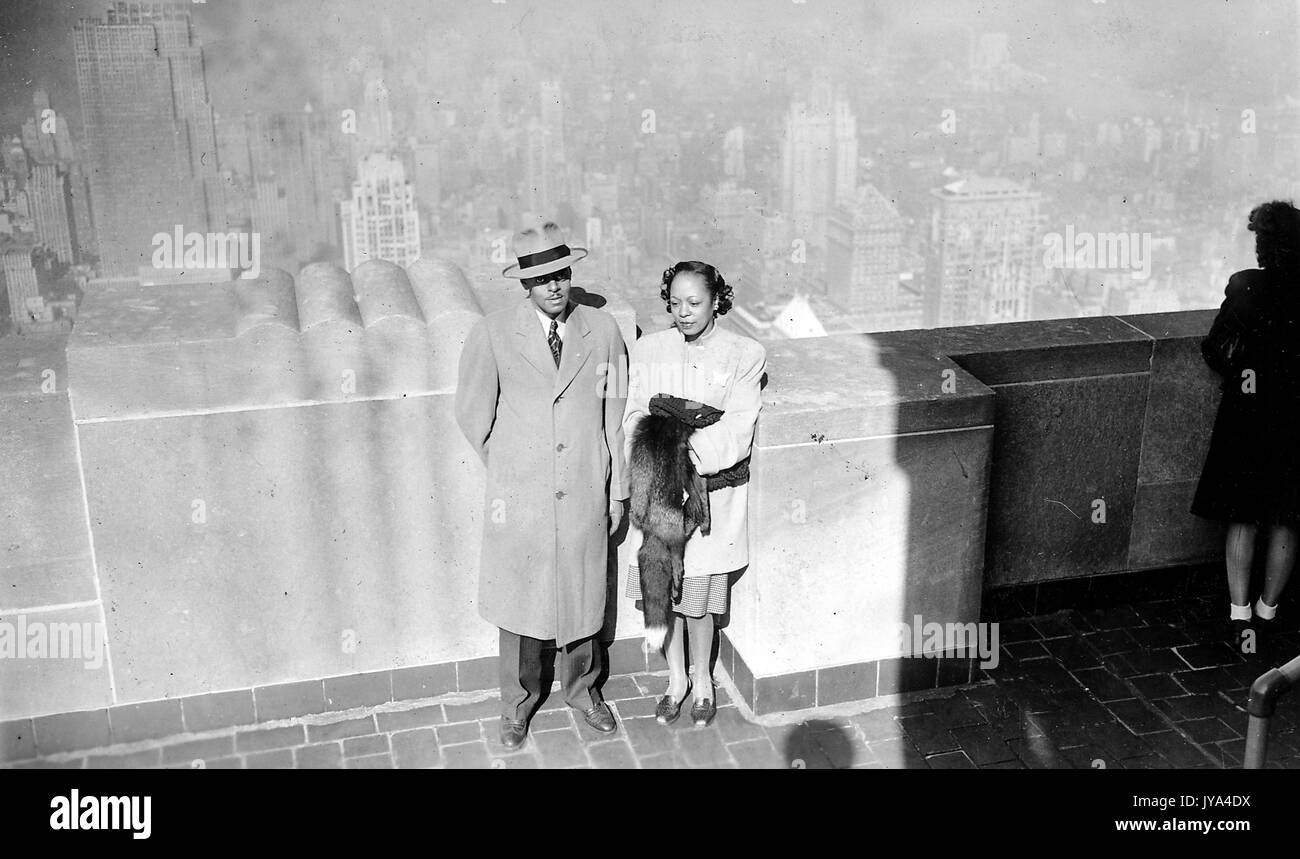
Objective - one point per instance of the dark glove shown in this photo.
(690, 413)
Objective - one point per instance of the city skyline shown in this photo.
(651, 147)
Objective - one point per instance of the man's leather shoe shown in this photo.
(601, 718)
(513, 733)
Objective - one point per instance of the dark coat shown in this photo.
(552, 441)
(1252, 469)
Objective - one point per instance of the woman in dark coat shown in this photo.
(1251, 477)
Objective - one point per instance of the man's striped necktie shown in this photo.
(554, 340)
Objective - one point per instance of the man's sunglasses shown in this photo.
(562, 274)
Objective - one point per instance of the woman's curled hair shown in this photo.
(1276, 225)
(718, 287)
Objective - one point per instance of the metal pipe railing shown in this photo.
(1268, 687)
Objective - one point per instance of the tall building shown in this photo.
(603, 191)
(846, 154)
(271, 219)
(83, 229)
(541, 176)
(376, 131)
(232, 145)
(381, 220)
(21, 286)
(150, 140)
(293, 200)
(728, 208)
(48, 192)
(51, 135)
(615, 253)
(428, 182)
(15, 160)
(819, 161)
(767, 269)
(37, 136)
(863, 256)
(45, 133)
(985, 256)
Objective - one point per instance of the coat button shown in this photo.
(559, 493)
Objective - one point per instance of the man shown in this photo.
(536, 400)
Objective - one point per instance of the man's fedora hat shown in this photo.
(542, 251)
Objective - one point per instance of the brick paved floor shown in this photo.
(1148, 685)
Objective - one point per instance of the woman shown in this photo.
(1251, 478)
(699, 361)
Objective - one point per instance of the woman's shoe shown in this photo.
(703, 711)
(1241, 636)
(1265, 642)
(667, 710)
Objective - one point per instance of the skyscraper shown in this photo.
(863, 256)
(819, 161)
(381, 220)
(48, 192)
(428, 182)
(20, 283)
(15, 160)
(293, 203)
(40, 131)
(150, 143)
(83, 230)
(271, 217)
(616, 254)
(984, 252)
(376, 130)
(728, 208)
(846, 154)
(540, 175)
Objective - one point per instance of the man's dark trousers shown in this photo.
(578, 664)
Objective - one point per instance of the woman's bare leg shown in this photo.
(1282, 542)
(675, 654)
(701, 634)
(1240, 555)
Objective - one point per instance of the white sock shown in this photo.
(1238, 612)
(1264, 610)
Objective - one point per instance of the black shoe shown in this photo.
(1243, 637)
(601, 718)
(702, 712)
(513, 733)
(1265, 642)
(667, 710)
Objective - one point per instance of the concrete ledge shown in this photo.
(856, 386)
(867, 507)
(1103, 410)
(1099, 429)
(326, 336)
(837, 684)
(280, 458)
(1038, 351)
